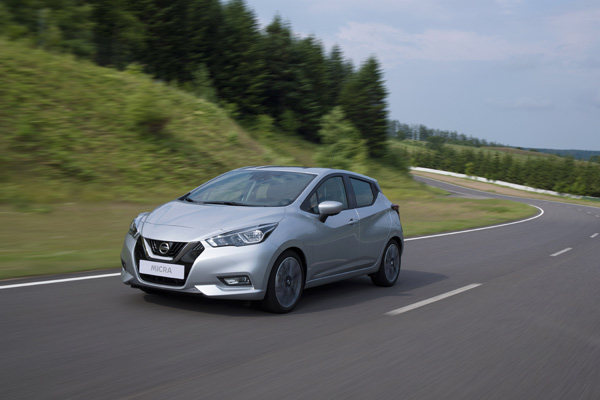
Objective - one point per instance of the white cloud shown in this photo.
(576, 39)
(393, 45)
(429, 8)
(508, 6)
(578, 30)
(524, 104)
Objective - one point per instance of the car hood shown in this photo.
(179, 221)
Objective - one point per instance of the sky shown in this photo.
(523, 73)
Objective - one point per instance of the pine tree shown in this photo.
(277, 45)
(117, 32)
(239, 70)
(363, 99)
(338, 70)
(307, 97)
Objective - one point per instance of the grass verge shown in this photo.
(74, 237)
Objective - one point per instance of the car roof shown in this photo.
(320, 172)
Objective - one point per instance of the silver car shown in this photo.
(265, 234)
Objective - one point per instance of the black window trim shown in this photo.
(374, 190)
(305, 206)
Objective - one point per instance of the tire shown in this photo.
(389, 269)
(286, 283)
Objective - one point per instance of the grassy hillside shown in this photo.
(83, 149)
(71, 124)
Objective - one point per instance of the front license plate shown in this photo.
(161, 269)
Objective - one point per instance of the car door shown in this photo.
(374, 221)
(336, 239)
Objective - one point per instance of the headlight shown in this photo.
(133, 228)
(243, 237)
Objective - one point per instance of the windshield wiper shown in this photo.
(225, 203)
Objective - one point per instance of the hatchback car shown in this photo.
(265, 234)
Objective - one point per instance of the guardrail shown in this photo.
(502, 183)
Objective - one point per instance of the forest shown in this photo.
(217, 51)
(269, 79)
(543, 171)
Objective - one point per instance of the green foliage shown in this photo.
(397, 158)
(201, 85)
(289, 122)
(264, 126)
(342, 146)
(277, 49)
(61, 25)
(363, 100)
(239, 72)
(561, 174)
(147, 112)
(217, 51)
(435, 143)
(97, 130)
(401, 131)
(118, 33)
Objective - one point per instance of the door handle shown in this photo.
(352, 221)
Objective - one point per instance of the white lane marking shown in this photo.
(561, 252)
(594, 235)
(432, 300)
(479, 229)
(82, 278)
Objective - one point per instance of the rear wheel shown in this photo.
(389, 269)
(286, 283)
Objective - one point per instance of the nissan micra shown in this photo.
(265, 234)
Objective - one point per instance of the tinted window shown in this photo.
(253, 188)
(363, 192)
(331, 190)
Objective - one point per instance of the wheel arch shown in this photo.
(399, 242)
(302, 256)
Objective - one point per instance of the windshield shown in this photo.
(252, 188)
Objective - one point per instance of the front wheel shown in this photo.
(286, 283)
(389, 270)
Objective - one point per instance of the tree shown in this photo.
(63, 25)
(307, 96)
(239, 69)
(435, 143)
(277, 44)
(338, 71)
(117, 33)
(342, 146)
(363, 99)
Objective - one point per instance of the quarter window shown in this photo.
(363, 192)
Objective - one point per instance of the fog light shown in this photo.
(236, 280)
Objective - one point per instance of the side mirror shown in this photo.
(329, 208)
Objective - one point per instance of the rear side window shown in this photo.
(363, 192)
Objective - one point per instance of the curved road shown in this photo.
(505, 313)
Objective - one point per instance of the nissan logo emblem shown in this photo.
(164, 248)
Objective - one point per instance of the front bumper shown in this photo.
(253, 261)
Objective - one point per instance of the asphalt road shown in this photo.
(526, 325)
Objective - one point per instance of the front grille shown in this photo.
(140, 254)
(174, 247)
